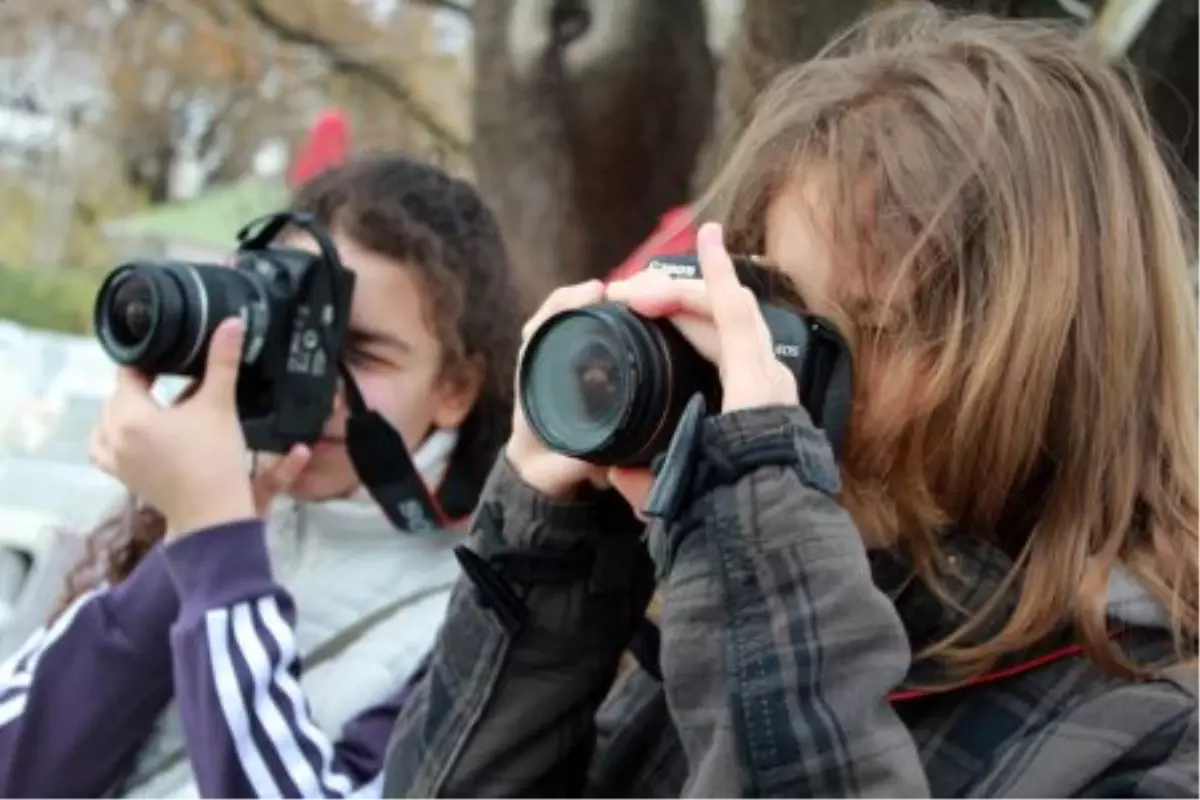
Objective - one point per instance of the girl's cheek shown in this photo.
(403, 401)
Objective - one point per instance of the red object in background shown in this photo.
(327, 145)
(675, 235)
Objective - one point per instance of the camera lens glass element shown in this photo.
(131, 313)
(579, 382)
(606, 386)
(159, 317)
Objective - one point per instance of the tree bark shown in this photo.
(588, 121)
(773, 34)
(591, 119)
(1165, 55)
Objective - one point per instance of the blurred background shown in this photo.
(157, 127)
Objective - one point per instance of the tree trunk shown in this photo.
(593, 118)
(772, 35)
(1165, 55)
(588, 121)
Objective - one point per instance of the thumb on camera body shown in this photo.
(222, 363)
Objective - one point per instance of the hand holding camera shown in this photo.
(186, 460)
(603, 384)
(721, 320)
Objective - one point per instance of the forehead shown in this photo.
(388, 297)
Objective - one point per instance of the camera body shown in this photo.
(159, 316)
(607, 386)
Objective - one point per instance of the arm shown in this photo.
(507, 710)
(82, 694)
(248, 727)
(778, 650)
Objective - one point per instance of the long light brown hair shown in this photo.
(998, 193)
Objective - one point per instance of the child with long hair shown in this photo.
(994, 591)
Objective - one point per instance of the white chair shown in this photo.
(37, 551)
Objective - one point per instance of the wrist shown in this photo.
(531, 519)
(547, 473)
(209, 511)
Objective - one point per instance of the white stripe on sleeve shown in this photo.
(233, 705)
(286, 721)
(16, 674)
(285, 641)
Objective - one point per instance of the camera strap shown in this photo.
(389, 475)
(377, 450)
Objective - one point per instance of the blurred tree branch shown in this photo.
(462, 9)
(340, 60)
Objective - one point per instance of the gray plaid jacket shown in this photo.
(782, 647)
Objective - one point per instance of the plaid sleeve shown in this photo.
(778, 650)
(506, 709)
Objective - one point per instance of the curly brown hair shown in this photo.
(439, 226)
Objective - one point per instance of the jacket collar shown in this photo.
(973, 582)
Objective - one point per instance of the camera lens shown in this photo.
(131, 315)
(579, 382)
(596, 381)
(604, 385)
(159, 317)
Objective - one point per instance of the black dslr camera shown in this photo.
(607, 386)
(159, 316)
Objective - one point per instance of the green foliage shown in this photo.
(59, 300)
(213, 218)
(18, 222)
